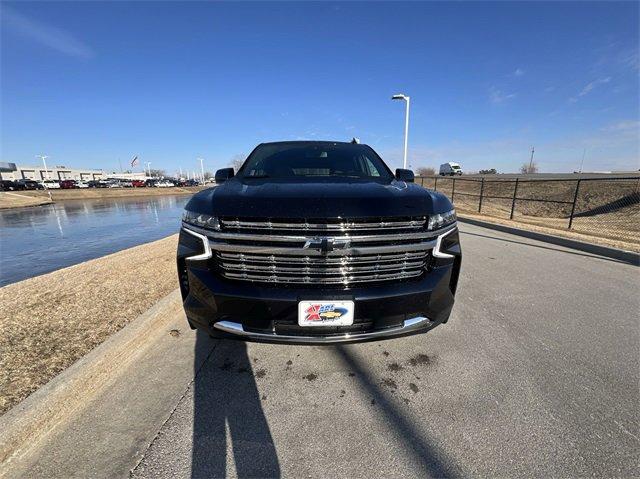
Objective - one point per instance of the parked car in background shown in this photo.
(138, 183)
(126, 184)
(29, 184)
(163, 184)
(8, 185)
(82, 184)
(113, 184)
(97, 184)
(51, 184)
(450, 169)
(68, 184)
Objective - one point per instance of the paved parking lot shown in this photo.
(536, 374)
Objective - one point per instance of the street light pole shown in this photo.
(43, 158)
(407, 99)
(201, 168)
(148, 168)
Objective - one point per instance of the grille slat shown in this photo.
(337, 225)
(290, 251)
(319, 280)
(327, 270)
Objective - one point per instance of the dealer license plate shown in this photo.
(325, 313)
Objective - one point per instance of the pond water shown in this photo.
(38, 240)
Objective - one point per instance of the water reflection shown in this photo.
(34, 241)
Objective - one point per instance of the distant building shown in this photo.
(126, 176)
(39, 173)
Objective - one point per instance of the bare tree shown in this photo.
(491, 171)
(207, 175)
(425, 171)
(157, 173)
(529, 168)
(237, 161)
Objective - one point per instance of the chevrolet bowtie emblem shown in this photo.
(325, 245)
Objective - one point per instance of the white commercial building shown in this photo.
(11, 171)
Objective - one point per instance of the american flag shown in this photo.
(135, 161)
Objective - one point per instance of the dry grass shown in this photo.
(50, 321)
(607, 212)
(563, 233)
(19, 200)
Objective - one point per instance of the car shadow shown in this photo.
(228, 416)
(431, 458)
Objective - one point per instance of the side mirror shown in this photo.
(404, 175)
(224, 174)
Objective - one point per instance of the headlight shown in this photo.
(201, 220)
(441, 220)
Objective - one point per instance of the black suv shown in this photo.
(317, 242)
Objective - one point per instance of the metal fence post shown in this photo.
(422, 181)
(573, 207)
(435, 184)
(515, 195)
(481, 192)
(453, 190)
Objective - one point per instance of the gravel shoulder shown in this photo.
(50, 321)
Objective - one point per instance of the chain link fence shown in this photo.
(604, 207)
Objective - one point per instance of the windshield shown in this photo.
(296, 160)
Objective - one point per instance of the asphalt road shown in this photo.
(536, 374)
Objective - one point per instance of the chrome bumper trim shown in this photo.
(408, 326)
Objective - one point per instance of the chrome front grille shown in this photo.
(321, 252)
(321, 270)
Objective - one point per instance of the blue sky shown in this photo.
(90, 83)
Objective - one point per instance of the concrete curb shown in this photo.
(621, 255)
(25, 426)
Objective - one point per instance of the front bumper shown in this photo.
(267, 313)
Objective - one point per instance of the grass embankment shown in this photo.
(606, 212)
(40, 197)
(18, 200)
(50, 321)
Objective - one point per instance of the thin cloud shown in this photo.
(589, 87)
(625, 125)
(498, 96)
(518, 73)
(592, 85)
(46, 35)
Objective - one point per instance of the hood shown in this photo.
(329, 198)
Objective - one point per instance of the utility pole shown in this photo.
(531, 160)
(149, 168)
(181, 172)
(584, 152)
(44, 162)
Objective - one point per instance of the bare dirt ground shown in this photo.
(50, 321)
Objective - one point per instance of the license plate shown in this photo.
(325, 313)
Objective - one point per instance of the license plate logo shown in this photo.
(325, 313)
